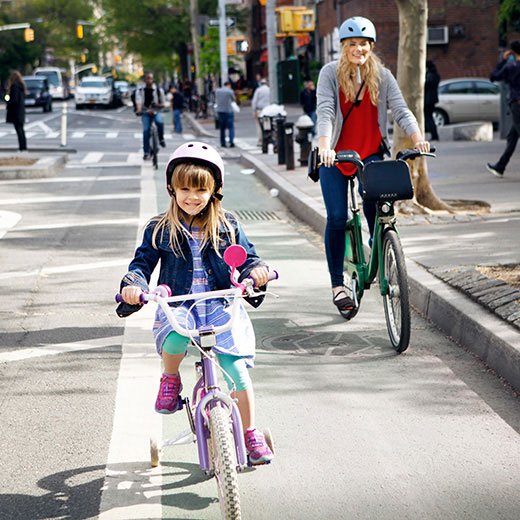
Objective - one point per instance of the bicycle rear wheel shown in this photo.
(396, 301)
(224, 462)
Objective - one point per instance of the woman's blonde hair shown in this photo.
(370, 72)
(190, 175)
(16, 77)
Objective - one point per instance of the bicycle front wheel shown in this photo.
(224, 462)
(396, 300)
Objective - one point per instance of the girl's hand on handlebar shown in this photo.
(327, 157)
(419, 143)
(132, 294)
(260, 275)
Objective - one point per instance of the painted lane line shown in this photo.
(8, 219)
(134, 158)
(92, 157)
(49, 271)
(60, 348)
(52, 135)
(111, 135)
(84, 179)
(128, 463)
(78, 135)
(66, 225)
(72, 198)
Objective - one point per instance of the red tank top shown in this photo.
(360, 131)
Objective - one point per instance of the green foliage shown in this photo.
(154, 29)
(54, 25)
(509, 14)
(210, 52)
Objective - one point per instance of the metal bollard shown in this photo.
(280, 139)
(289, 145)
(304, 138)
(64, 124)
(267, 128)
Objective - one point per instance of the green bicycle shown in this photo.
(384, 182)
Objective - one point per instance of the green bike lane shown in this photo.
(360, 432)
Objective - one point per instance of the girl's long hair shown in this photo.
(193, 176)
(370, 72)
(16, 77)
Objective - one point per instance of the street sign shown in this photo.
(215, 22)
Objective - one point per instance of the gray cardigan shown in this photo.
(330, 117)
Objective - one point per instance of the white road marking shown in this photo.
(64, 225)
(92, 157)
(78, 135)
(134, 158)
(111, 135)
(61, 180)
(52, 135)
(49, 271)
(71, 198)
(128, 464)
(60, 348)
(8, 219)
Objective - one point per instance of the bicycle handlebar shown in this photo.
(162, 296)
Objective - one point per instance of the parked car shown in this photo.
(58, 81)
(38, 94)
(467, 99)
(122, 86)
(93, 90)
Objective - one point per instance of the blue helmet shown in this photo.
(357, 27)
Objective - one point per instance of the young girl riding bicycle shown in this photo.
(189, 241)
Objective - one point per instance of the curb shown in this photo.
(466, 322)
(49, 166)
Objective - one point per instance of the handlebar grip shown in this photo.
(273, 275)
(119, 298)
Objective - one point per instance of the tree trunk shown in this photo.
(411, 72)
(194, 12)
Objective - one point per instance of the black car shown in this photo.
(38, 94)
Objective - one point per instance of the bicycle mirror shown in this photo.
(235, 256)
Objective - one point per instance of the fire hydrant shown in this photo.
(304, 138)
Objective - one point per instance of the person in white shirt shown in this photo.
(261, 98)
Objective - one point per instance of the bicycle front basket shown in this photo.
(386, 181)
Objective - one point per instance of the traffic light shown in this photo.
(28, 35)
(94, 70)
(291, 21)
(79, 31)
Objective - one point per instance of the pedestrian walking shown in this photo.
(261, 98)
(359, 88)
(224, 97)
(187, 242)
(177, 104)
(508, 70)
(16, 91)
(431, 98)
(308, 102)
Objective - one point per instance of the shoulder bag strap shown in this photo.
(355, 104)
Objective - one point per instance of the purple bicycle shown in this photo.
(213, 416)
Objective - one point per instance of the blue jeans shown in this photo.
(177, 120)
(147, 121)
(225, 120)
(314, 118)
(334, 187)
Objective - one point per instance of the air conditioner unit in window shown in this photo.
(437, 35)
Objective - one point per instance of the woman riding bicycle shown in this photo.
(188, 241)
(354, 94)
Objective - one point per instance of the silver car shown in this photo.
(93, 90)
(467, 99)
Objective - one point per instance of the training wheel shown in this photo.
(154, 452)
(268, 436)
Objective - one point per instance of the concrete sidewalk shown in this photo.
(442, 249)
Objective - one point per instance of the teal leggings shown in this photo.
(235, 366)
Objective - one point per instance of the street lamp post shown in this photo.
(223, 40)
(272, 52)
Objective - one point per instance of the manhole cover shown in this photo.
(365, 344)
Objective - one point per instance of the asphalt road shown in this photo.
(360, 432)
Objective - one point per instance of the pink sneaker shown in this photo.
(259, 451)
(168, 396)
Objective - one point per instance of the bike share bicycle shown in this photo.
(384, 182)
(213, 416)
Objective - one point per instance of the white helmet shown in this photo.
(357, 27)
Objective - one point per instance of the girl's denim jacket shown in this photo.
(176, 271)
